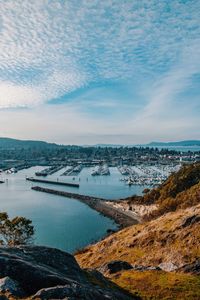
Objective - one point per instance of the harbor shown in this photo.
(77, 223)
(147, 175)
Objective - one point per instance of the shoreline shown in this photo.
(122, 218)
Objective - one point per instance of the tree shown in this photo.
(16, 231)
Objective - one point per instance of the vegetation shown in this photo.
(159, 285)
(169, 236)
(16, 231)
(174, 238)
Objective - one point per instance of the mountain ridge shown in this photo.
(11, 142)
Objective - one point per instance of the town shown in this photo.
(137, 165)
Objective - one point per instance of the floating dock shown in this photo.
(53, 182)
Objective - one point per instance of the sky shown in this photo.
(109, 71)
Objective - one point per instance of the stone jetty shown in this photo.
(120, 217)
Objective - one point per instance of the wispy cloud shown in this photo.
(53, 48)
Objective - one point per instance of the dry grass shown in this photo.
(160, 285)
(161, 240)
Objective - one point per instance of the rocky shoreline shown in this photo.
(122, 218)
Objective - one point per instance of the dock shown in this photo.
(53, 182)
(98, 204)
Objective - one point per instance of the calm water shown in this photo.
(61, 222)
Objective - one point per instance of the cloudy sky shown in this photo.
(91, 71)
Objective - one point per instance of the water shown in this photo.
(107, 187)
(61, 222)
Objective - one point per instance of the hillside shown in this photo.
(8, 143)
(159, 258)
(169, 242)
(172, 238)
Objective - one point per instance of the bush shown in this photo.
(16, 231)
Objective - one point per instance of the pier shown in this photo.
(73, 171)
(49, 171)
(53, 182)
(120, 217)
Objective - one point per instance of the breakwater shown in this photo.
(120, 217)
(53, 182)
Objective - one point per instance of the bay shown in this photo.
(60, 222)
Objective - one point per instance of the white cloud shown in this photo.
(52, 48)
(12, 95)
(76, 43)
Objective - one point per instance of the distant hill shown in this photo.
(188, 143)
(8, 143)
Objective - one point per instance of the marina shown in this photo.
(147, 175)
(49, 171)
(100, 170)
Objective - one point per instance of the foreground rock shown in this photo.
(8, 284)
(47, 273)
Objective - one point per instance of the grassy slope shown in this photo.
(160, 240)
(167, 238)
(160, 285)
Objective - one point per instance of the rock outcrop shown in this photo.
(114, 267)
(47, 273)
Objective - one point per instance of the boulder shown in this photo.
(9, 285)
(114, 267)
(75, 291)
(48, 273)
(167, 266)
(37, 267)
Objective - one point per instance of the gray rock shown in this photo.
(145, 268)
(77, 291)
(114, 267)
(10, 285)
(168, 266)
(49, 273)
(46, 267)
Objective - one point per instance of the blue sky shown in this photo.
(109, 71)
